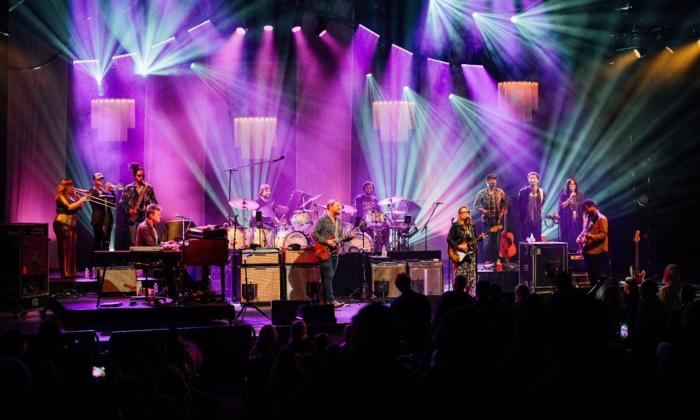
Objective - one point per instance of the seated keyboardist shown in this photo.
(147, 232)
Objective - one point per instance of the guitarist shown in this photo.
(328, 232)
(462, 237)
(136, 197)
(593, 240)
(491, 204)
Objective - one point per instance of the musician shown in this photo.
(147, 232)
(272, 212)
(64, 225)
(102, 216)
(328, 231)
(530, 201)
(462, 237)
(491, 204)
(136, 197)
(367, 202)
(593, 240)
(570, 215)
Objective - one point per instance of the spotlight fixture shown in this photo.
(267, 28)
(639, 52)
(669, 49)
(514, 19)
(323, 32)
(296, 29)
(405, 88)
(451, 96)
(475, 14)
(369, 75)
(240, 31)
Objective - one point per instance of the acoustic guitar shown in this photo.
(457, 257)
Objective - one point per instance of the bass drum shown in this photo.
(356, 244)
(286, 238)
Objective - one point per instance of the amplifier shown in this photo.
(260, 256)
(24, 265)
(118, 279)
(303, 282)
(383, 275)
(263, 285)
(302, 256)
(426, 277)
(580, 279)
(540, 262)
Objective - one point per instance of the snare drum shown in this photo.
(356, 243)
(285, 238)
(262, 237)
(237, 237)
(375, 219)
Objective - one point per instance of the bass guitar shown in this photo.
(635, 274)
(457, 256)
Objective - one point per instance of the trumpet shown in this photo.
(95, 199)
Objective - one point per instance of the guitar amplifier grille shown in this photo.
(260, 256)
(427, 276)
(266, 281)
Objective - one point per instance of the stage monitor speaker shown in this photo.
(540, 262)
(24, 265)
(119, 280)
(265, 281)
(318, 314)
(284, 312)
(426, 277)
(303, 282)
(383, 275)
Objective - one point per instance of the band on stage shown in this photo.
(386, 223)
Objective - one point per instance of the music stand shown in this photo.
(247, 291)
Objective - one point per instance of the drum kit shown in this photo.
(390, 229)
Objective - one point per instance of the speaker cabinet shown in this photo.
(426, 277)
(540, 262)
(263, 285)
(24, 265)
(383, 275)
(119, 280)
(303, 282)
(284, 312)
(260, 256)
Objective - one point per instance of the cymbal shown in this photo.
(348, 209)
(314, 198)
(244, 204)
(391, 201)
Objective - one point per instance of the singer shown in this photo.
(570, 215)
(461, 242)
(491, 204)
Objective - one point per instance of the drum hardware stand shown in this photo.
(363, 291)
(425, 226)
(246, 295)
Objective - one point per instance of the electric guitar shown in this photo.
(324, 252)
(457, 256)
(635, 274)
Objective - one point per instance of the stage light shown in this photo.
(240, 31)
(450, 96)
(369, 75)
(267, 28)
(323, 32)
(669, 49)
(405, 88)
(475, 14)
(514, 18)
(193, 65)
(638, 53)
(296, 29)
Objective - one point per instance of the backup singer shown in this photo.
(593, 240)
(64, 225)
(570, 215)
(530, 201)
(462, 238)
(491, 204)
(102, 216)
(329, 232)
(136, 197)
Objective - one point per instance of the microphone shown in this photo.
(452, 220)
(437, 203)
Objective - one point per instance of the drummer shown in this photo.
(273, 214)
(367, 202)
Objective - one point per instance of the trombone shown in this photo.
(95, 199)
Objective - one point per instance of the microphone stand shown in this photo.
(228, 205)
(425, 226)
